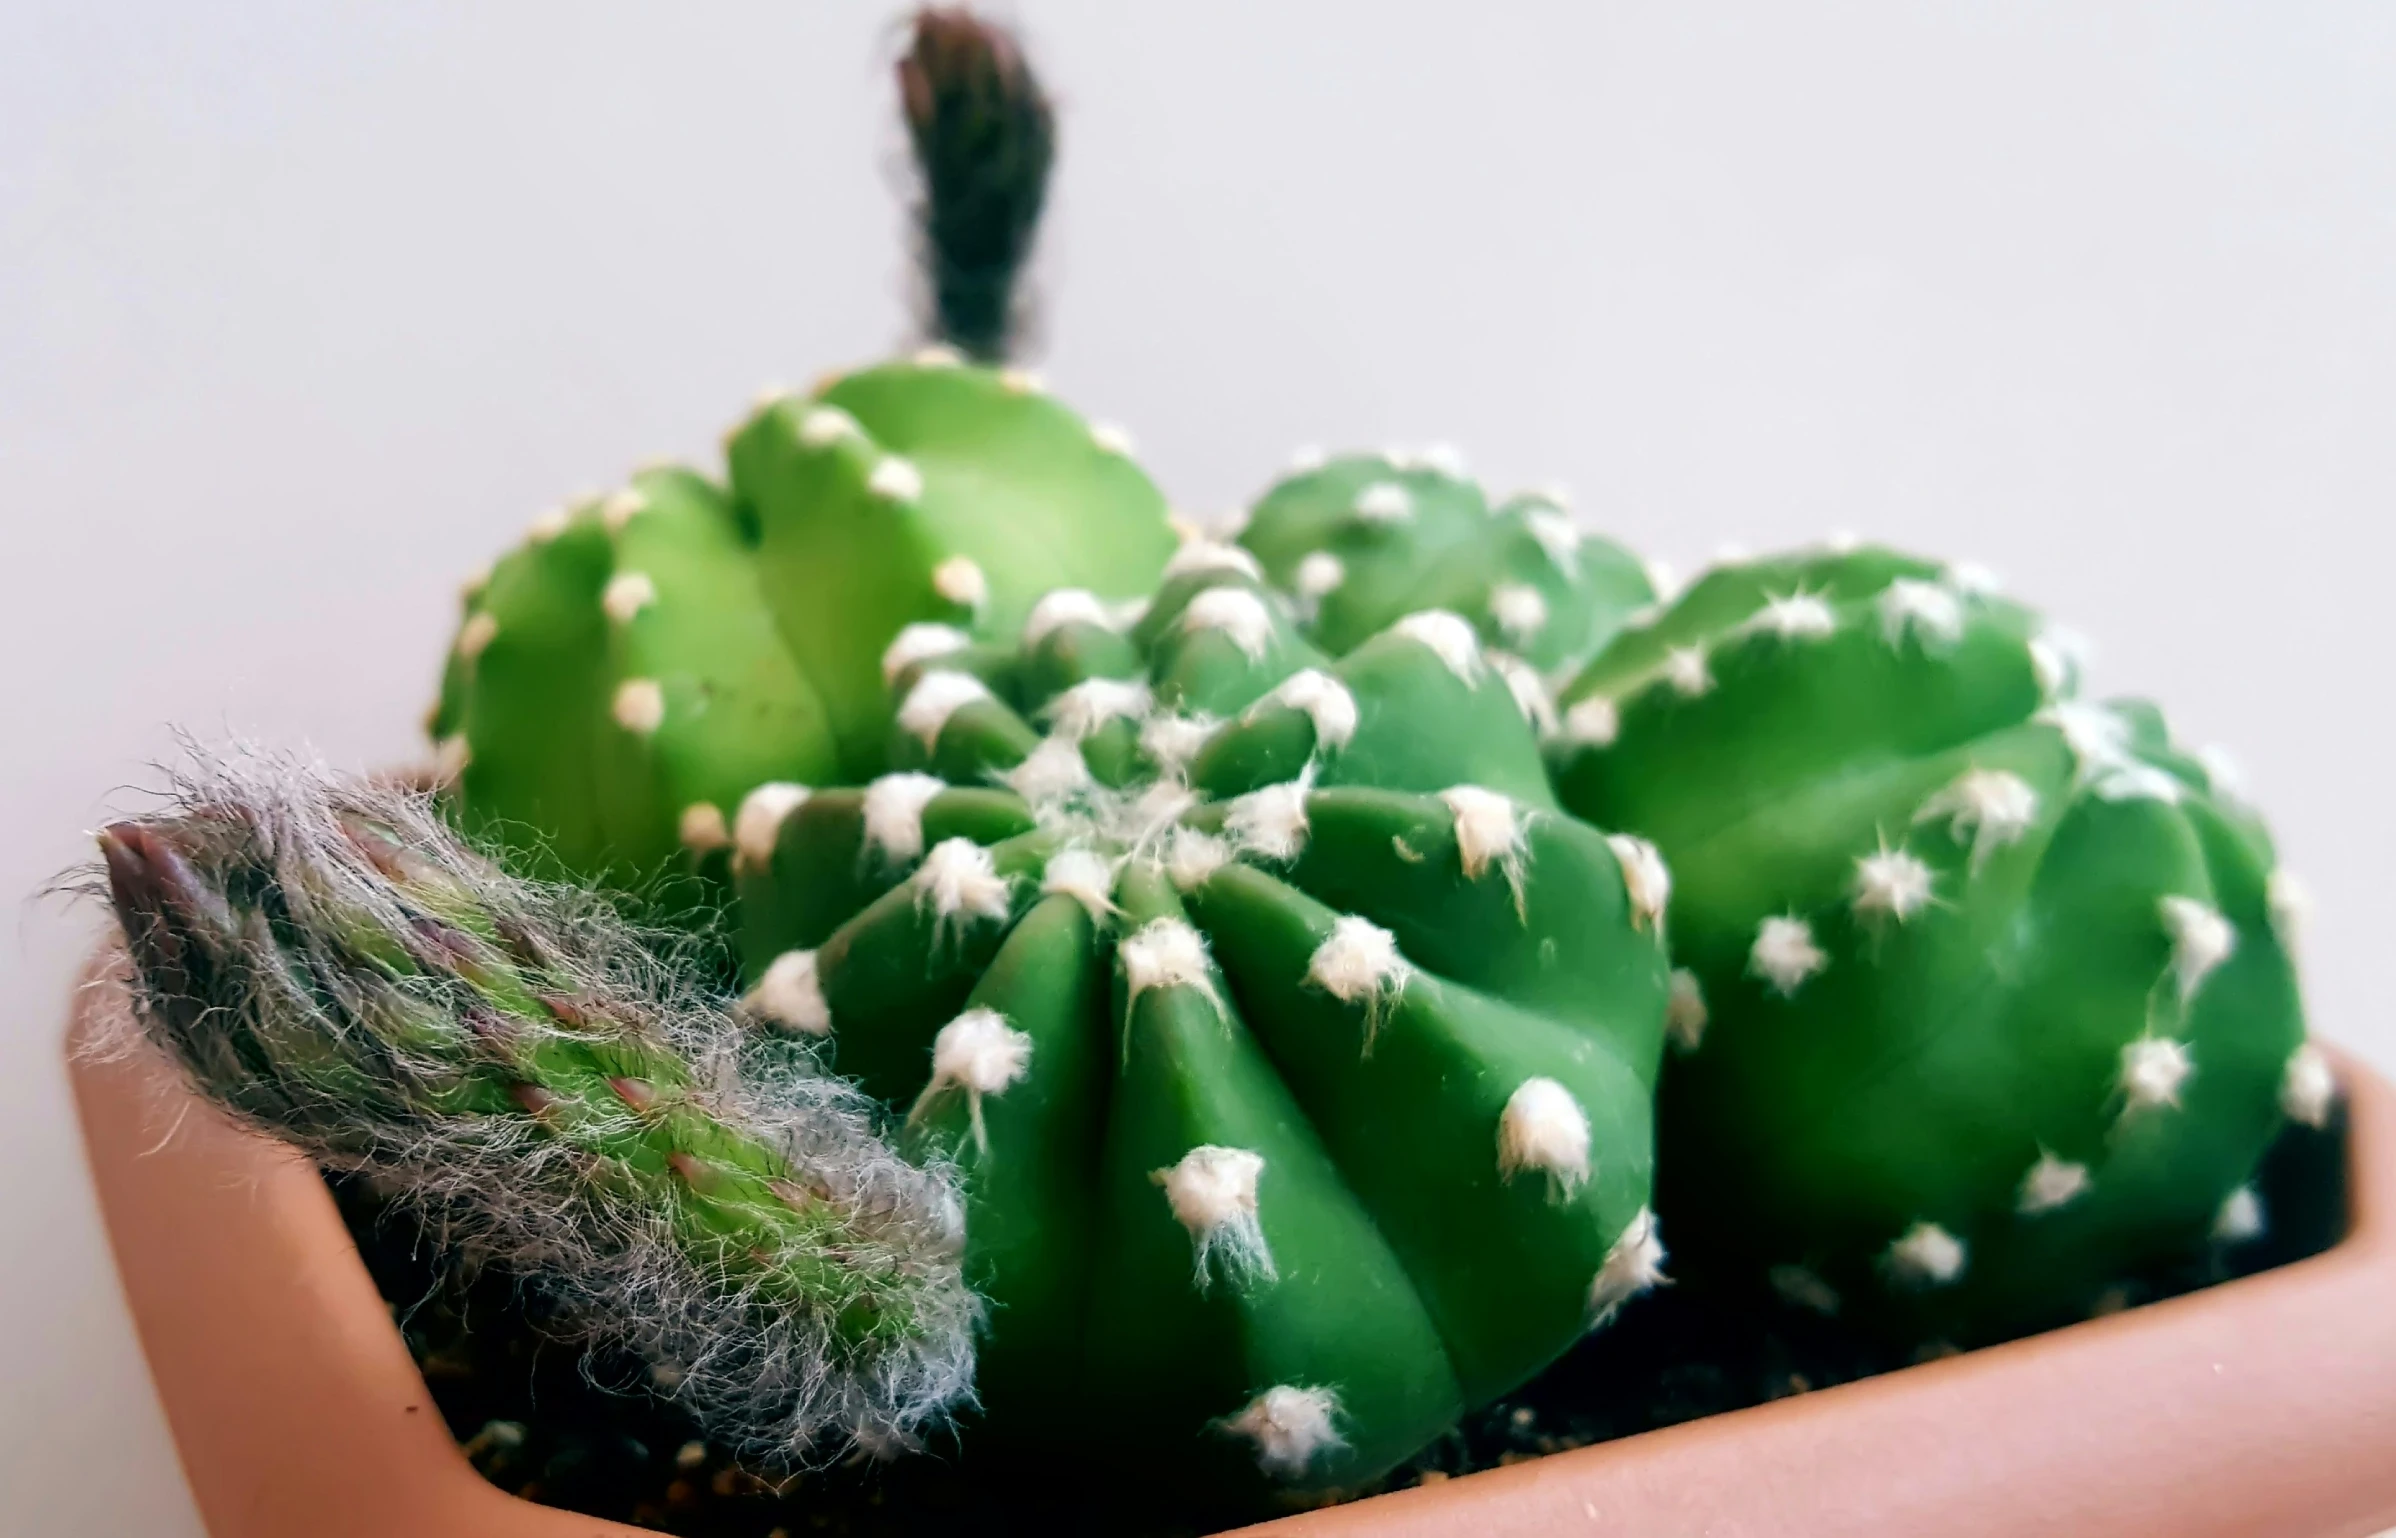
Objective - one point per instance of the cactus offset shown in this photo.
(625, 676)
(1987, 1000)
(1365, 538)
(330, 964)
(1298, 1051)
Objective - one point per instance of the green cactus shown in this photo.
(1297, 1049)
(1365, 538)
(623, 677)
(1986, 997)
(330, 964)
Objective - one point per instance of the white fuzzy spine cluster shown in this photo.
(2050, 1183)
(1529, 692)
(1213, 1194)
(2240, 1217)
(1892, 884)
(624, 505)
(1685, 1014)
(2201, 940)
(822, 426)
(791, 995)
(2308, 1087)
(701, 828)
(1646, 882)
(1383, 504)
(1928, 613)
(1448, 637)
(1319, 575)
(960, 883)
(1084, 875)
(1926, 1255)
(1051, 775)
(1686, 672)
(980, 1054)
(1519, 611)
(893, 479)
(627, 594)
(1544, 1130)
(1192, 856)
(1236, 613)
(2153, 1070)
(1088, 706)
(937, 695)
(959, 580)
(476, 635)
(1490, 831)
(1557, 538)
(1208, 555)
(1634, 1264)
(1290, 1427)
(1326, 702)
(639, 706)
(1165, 953)
(1592, 723)
(1797, 616)
(1994, 807)
(894, 808)
(1784, 954)
(920, 642)
(1270, 823)
(1172, 740)
(1061, 607)
(1359, 964)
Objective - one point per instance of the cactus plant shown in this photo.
(1297, 1050)
(1365, 538)
(1985, 994)
(328, 962)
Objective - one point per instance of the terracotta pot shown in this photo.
(2263, 1406)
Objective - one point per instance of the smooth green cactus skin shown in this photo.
(1366, 538)
(1986, 1000)
(622, 678)
(1297, 1051)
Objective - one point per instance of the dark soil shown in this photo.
(539, 1419)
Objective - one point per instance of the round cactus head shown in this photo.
(623, 677)
(1985, 999)
(1296, 1049)
(1363, 539)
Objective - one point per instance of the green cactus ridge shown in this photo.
(328, 962)
(1297, 1050)
(1985, 997)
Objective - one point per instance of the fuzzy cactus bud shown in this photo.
(984, 139)
(329, 963)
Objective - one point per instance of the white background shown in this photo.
(305, 309)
